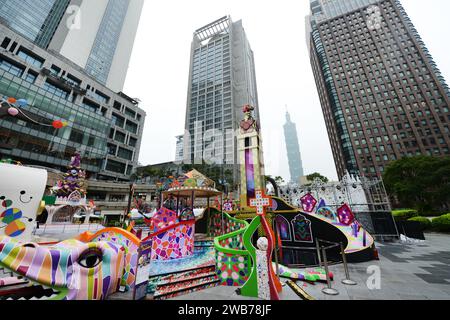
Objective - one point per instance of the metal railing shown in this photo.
(320, 250)
(65, 228)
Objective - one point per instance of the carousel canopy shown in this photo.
(199, 192)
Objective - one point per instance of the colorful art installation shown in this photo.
(164, 218)
(345, 215)
(311, 274)
(284, 231)
(13, 107)
(73, 184)
(327, 212)
(232, 269)
(130, 245)
(174, 242)
(308, 202)
(302, 229)
(21, 191)
(262, 267)
(90, 267)
(251, 287)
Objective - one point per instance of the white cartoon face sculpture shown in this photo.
(21, 191)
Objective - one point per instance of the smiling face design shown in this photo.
(21, 191)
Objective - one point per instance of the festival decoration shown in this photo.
(21, 191)
(73, 184)
(308, 203)
(10, 106)
(345, 215)
(88, 268)
(252, 287)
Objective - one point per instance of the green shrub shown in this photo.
(431, 214)
(405, 214)
(442, 223)
(424, 222)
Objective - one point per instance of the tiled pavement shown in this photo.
(407, 272)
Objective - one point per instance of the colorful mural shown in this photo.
(174, 243)
(283, 228)
(232, 269)
(302, 229)
(164, 218)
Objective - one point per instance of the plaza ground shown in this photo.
(409, 271)
(419, 271)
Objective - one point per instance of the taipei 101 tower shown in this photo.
(293, 150)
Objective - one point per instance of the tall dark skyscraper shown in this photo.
(382, 96)
(293, 150)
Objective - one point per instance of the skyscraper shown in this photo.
(382, 96)
(96, 35)
(35, 20)
(293, 150)
(221, 81)
(104, 125)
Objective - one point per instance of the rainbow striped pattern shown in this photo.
(63, 266)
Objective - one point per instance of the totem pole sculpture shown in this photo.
(262, 282)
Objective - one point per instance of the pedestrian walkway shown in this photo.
(407, 272)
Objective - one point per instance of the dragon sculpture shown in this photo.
(91, 267)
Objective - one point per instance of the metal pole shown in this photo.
(347, 279)
(277, 269)
(328, 290)
(318, 253)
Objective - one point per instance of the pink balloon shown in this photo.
(13, 111)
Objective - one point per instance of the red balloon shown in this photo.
(12, 100)
(57, 124)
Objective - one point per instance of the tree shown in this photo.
(315, 175)
(421, 182)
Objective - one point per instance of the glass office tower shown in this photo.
(382, 96)
(222, 80)
(105, 44)
(35, 20)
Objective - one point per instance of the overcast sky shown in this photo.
(158, 73)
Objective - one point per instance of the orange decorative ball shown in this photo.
(57, 124)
